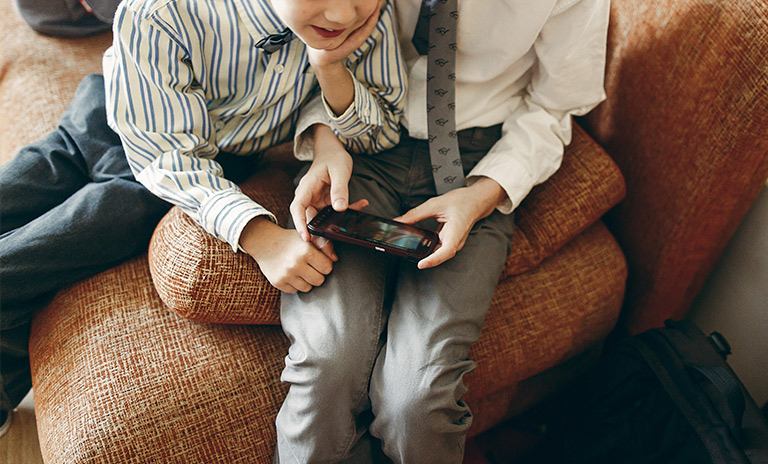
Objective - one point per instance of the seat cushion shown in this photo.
(201, 278)
(119, 378)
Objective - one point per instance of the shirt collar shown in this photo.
(259, 18)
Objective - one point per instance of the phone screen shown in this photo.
(377, 230)
(382, 234)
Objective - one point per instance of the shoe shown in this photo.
(6, 421)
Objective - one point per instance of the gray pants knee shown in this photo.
(380, 349)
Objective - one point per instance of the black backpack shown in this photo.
(666, 395)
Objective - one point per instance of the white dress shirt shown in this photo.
(526, 64)
(185, 81)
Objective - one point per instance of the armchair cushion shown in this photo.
(119, 378)
(200, 277)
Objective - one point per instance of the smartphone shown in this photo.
(381, 234)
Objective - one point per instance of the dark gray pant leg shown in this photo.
(70, 208)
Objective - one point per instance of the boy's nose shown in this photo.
(341, 12)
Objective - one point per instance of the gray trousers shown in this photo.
(379, 350)
(69, 208)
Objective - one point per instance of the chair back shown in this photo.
(686, 120)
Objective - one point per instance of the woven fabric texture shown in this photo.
(686, 120)
(38, 78)
(201, 278)
(551, 313)
(119, 378)
(585, 187)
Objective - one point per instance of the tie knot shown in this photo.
(440, 16)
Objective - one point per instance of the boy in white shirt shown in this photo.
(379, 351)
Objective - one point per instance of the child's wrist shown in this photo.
(337, 86)
(256, 230)
(490, 193)
(330, 70)
(324, 137)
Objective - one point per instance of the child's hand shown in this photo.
(289, 263)
(320, 59)
(457, 211)
(325, 183)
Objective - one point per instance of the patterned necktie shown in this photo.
(272, 43)
(438, 22)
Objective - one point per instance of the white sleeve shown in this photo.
(567, 80)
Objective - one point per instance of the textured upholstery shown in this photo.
(38, 77)
(201, 277)
(120, 378)
(686, 121)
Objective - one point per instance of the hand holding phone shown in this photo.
(378, 233)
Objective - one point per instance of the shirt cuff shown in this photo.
(312, 113)
(510, 175)
(225, 214)
(362, 113)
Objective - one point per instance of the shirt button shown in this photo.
(366, 112)
(279, 68)
(218, 125)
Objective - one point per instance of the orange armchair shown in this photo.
(174, 356)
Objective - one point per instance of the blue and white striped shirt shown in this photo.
(185, 81)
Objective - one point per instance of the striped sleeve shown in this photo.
(160, 113)
(372, 123)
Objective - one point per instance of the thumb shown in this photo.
(419, 213)
(339, 188)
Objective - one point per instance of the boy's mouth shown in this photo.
(328, 33)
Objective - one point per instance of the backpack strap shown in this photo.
(705, 357)
(728, 394)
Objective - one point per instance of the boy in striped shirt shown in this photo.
(189, 86)
(186, 88)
